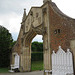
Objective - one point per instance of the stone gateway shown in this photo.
(57, 30)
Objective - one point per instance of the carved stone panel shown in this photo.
(37, 16)
(28, 23)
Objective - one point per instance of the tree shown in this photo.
(5, 47)
(37, 46)
(37, 51)
(13, 43)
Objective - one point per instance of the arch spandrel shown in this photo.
(34, 19)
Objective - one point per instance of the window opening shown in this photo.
(57, 31)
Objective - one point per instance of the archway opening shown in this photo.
(37, 53)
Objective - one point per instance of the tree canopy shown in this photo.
(37, 46)
(5, 47)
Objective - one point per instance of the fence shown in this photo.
(62, 62)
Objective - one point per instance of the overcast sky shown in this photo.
(11, 12)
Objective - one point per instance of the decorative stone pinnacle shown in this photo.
(24, 9)
(44, 1)
(24, 15)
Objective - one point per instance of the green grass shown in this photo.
(3, 70)
(36, 65)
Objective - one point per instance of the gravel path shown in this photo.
(26, 73)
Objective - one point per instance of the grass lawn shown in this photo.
(3, 70)
(36, 65)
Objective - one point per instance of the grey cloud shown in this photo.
(12, 10)
(7, 6)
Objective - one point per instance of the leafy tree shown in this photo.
(37, 46)
(37, 51)
(13, 43)
(5, 47)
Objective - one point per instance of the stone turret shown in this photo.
(44, 1)
(24, 15)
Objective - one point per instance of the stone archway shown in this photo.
(26, 49)
(36, 22)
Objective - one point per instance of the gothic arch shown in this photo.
(27, 45)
